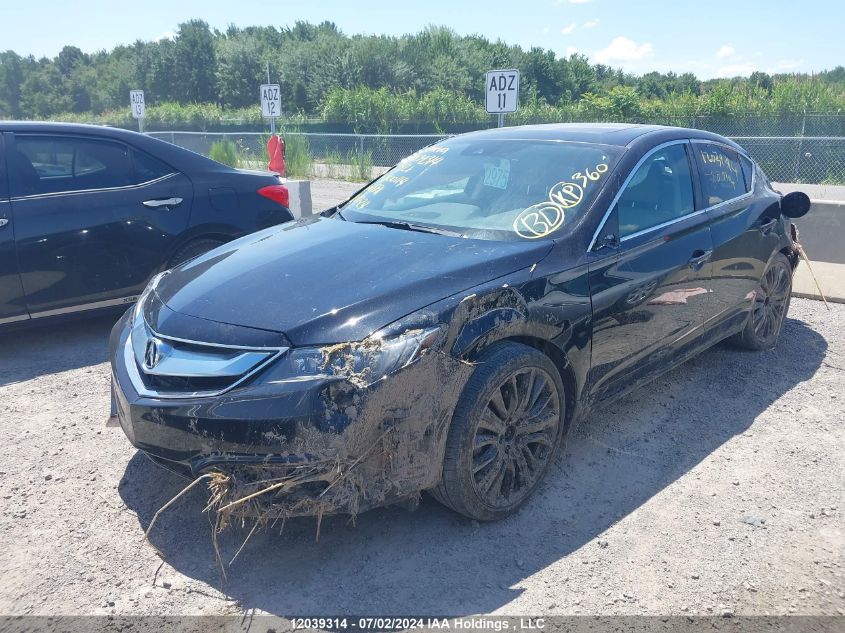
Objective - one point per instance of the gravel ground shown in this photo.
(718, 488)
(327, 193)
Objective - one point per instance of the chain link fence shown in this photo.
(316, 154)
(794, 157)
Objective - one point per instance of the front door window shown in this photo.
(659, 191)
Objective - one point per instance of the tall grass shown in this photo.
(335, 165)
(226, 152)
(363, 109)
(297, 156)
(363, 165)
(201, 117)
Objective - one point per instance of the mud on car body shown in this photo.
(441, 330)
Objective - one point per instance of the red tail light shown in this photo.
(276, 193)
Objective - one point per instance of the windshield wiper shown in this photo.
(409, 226)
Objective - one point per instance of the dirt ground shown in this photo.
(716, 489)
(327, 193)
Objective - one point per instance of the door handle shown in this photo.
(699, 258)
(767, 227)
(162, 202)
(3, 222)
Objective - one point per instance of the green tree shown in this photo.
(11, 83)
(195, 62)
(240, 70)
(42, 92)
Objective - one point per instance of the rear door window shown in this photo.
(722, 177)
(55, 164)
(659, 191)
(148, 168)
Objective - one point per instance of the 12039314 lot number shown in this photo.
(430, 623)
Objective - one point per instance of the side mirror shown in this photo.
(795, 204)
(609, 240)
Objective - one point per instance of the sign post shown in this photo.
(136, 102)
(271, 108)
(502, 92)
(271, 101)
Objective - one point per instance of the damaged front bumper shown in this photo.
(339, 446)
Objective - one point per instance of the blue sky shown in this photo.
(710, 37)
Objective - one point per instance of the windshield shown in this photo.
(489, 189)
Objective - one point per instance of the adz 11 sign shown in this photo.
(502, 88)
(271, 101)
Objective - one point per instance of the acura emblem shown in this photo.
(151, 354)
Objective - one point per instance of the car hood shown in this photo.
(322, 281)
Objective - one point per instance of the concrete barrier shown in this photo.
(822, 233)
(830, 277)
(300, 198)
(822, 230)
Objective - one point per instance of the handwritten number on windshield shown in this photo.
(590, 175)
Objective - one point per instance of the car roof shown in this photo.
(621, 134)
(178, 157)
(66, 128)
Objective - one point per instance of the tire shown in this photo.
(191, 250)
(487, 467)
(771, 303)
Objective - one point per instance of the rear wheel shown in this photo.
(191, 250)
(771, 303)
(505, 431)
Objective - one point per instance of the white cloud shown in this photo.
(591, 24)
(567, 29)
(545, 29)
(167, 35)
(736, 70)
(579, 1)
(571, 50)
(623, 49)
(726, 51)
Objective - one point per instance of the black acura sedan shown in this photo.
(88, 214)
(442, 329)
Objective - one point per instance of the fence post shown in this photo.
(172, 138)
(361, 156)
(800, 146)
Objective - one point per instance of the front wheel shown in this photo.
(771, 303)
(505, 431)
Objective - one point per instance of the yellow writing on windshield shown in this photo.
(538, 220)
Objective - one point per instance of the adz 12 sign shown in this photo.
(271, 101)
(502, 90)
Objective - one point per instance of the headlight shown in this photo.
(361, 363)
(139, 304)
